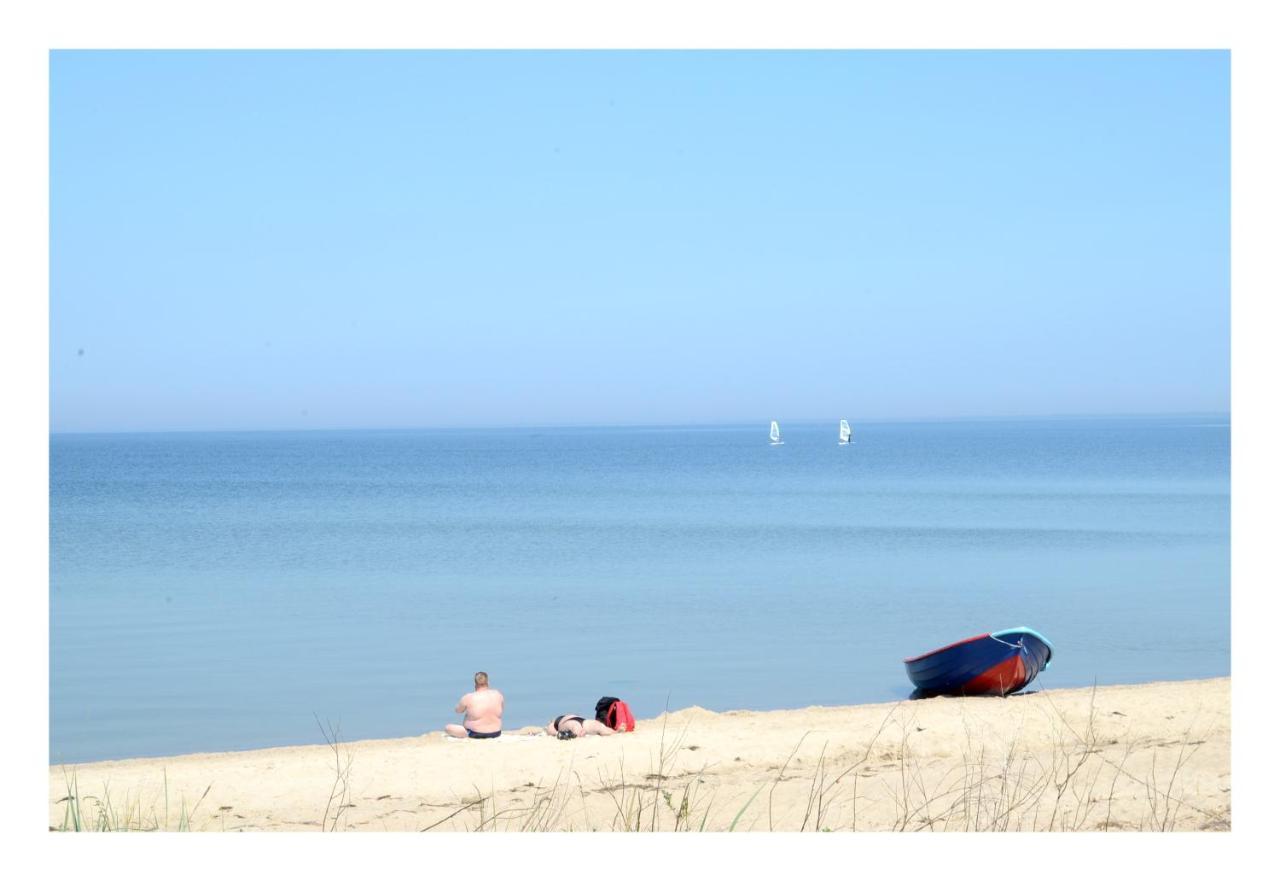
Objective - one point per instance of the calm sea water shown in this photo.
(221, 591)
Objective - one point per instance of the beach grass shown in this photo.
(122, 812)
(1075, 791)
(1062, 762)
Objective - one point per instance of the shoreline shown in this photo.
(531, 729)
(1150, 756)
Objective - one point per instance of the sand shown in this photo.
(1141, 757)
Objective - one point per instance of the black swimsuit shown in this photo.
(481, 735)
(556, 723)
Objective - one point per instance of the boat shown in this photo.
(775, 436)
(997, 663)
(846, 433)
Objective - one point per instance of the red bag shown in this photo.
(619, 717)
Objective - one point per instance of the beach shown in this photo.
(1131, 757)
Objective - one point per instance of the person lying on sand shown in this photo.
(483, 709)
(567, 726)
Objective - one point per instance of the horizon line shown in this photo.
(737, 423)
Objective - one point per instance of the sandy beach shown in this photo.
(1140, 757)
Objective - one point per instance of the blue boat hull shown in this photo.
(994, 663)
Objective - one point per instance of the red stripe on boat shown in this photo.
(945, 647)
(1009, 675)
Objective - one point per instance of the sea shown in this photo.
(229, 591)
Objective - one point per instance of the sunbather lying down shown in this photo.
(567, 726)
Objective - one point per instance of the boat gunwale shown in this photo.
(946, 647)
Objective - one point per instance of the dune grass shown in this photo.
(1085, 782)
(887, 785)
(123, 813)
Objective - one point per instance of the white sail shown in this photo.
(845, 431)
(775, 436)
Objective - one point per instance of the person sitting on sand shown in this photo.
(483, 709)
(567, 726)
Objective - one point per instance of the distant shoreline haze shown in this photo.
(673, 426)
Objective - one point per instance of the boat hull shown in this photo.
(997, 663)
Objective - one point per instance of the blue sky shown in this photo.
(339, 240)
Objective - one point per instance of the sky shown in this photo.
(291, 240)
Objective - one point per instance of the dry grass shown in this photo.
(125, 812)
(1085, 781)
(1015, 789)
